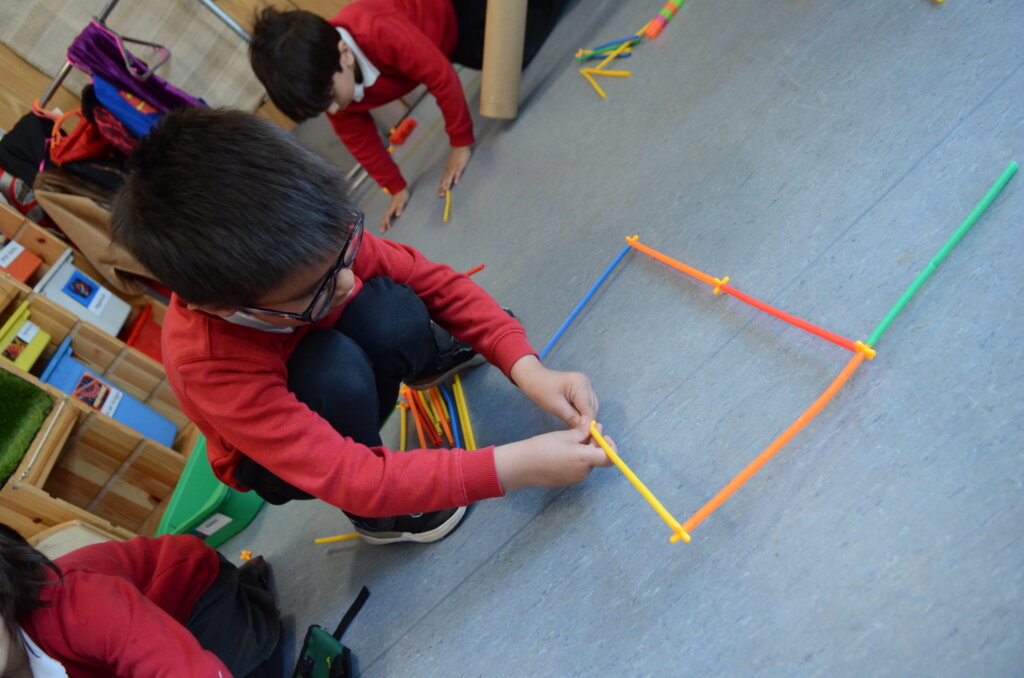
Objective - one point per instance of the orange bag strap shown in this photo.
(55, 137)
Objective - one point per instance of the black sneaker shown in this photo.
(423, 528)
(453, 356)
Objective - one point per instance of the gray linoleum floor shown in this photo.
(819, 153)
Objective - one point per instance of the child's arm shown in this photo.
(408, 50)
(567, 395)
(358, 132)
(108, 621)
(549, 460)
(250, 408)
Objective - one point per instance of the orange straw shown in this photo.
(476, 269)
(655, 254)
(415, 417)
(777, 445)
(439, 407)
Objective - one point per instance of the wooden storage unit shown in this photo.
(50, 248)
(88, 466)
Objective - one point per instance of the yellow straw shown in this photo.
(614, 53)
(614, 74)
(460, 403)
(677, 529)
(340, 537)
(403, 428)
(586, 73)
(447, 204)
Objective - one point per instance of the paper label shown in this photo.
(87, 292)
(213, 524)
(97, 394)
(11, 251)
(28, 332)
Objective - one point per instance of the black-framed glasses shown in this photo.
(325, 293)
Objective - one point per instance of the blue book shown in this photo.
(75, 379)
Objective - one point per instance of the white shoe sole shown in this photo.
(378, 539)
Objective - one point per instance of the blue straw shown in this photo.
(579, 306)
(616, 42)
(594, 57)
(454, 412)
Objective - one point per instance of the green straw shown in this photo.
(954, 239)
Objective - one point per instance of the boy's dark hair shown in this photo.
(295, 55)
(223, 206)
(22, 576)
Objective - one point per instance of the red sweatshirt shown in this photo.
(232, 382)
(409, 42)
(122, 607)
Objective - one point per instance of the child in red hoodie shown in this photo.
(169, 607)
(373, 52)
(290, 331)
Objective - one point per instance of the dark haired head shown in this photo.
(295, 55)
(22, 576)
(223, 207)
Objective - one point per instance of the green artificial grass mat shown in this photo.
(23, 409)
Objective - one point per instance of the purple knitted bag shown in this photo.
(99, 51)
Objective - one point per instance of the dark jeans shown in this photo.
(471, 15)
(237, 620)
(350, 375)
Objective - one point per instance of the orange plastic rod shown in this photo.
(432, 426)
(755, 466)
(439, 408)
(415, 417)
(635, 243)
(476, 269)
(421, 417)
(756, 303)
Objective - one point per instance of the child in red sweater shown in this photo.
(291, 329)
(169, 607)
(373, 52)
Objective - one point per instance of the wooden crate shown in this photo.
(90, 467)
(50, 248)
(86, 466)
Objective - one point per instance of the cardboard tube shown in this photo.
(504, 35)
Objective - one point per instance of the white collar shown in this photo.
(41, 664)
(246, 320)
(369, 71)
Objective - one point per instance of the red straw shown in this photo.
(771, 310)
(436, 399)
(792, 319)
(415, 417)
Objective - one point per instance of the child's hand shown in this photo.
(394, 209)
(457, 161)
(567, 395)
(549, 460)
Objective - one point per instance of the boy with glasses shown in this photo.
(291, 329)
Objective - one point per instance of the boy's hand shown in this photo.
(549, 460)
(394, 209)
(457, 161)
(567, 395)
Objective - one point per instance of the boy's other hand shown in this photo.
(457, 161)
(567, 395)
(394, 210)
(549, 460)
